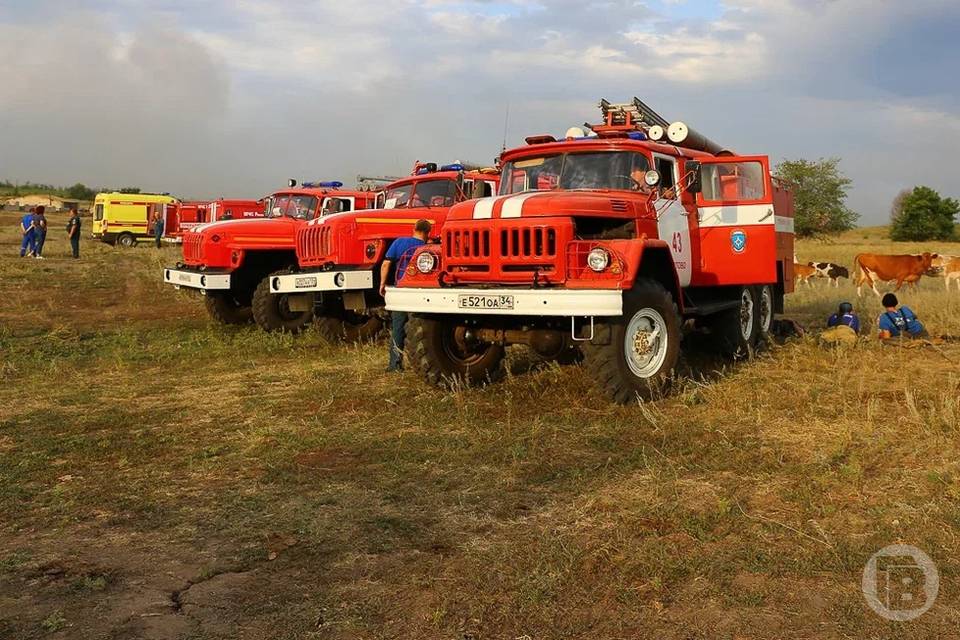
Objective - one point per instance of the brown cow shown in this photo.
(872, 267)
(803, 273)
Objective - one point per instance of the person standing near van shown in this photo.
(157, 227)
(73, 232)
(29, 243)
(40, 231)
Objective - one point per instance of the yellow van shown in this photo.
(124, 218)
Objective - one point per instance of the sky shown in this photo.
(207, 98)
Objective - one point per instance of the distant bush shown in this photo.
(922, 214)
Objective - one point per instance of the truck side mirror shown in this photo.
(694, 182)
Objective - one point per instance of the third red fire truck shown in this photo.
(185, 216)
(339, 256)
(610, 239)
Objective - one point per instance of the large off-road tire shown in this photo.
(271, 311)
(126, 240)
(644, 346)
(765, 306)
(224, 308)
(441, 354)
(349, 326)
(736, 329)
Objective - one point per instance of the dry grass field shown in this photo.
(164, 478)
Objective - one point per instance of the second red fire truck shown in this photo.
(611, 240)
(339, 257)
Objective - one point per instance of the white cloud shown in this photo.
(231, 97)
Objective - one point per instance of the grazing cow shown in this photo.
(803, 273)
(950, 268)
(830, 270)
(873, 267)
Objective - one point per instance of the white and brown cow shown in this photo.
(874, 267)
(830, 270)
(949, 268)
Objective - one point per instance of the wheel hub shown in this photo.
(645, 343)
(642, 344)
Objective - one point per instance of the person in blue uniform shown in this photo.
(845, 317)
(392, 271)
(898, 320)
(29, 244)
(39, 231)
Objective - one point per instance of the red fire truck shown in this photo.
(184, 216)
(339, 257)
(608, 240)
(229, 261)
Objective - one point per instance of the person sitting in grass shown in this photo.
(898, 320)
(845, 317)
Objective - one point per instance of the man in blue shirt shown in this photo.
(845, 317)
(395, 262)
(29, 244)
(894, 322)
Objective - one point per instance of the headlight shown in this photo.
(426, 261)
(598, 259)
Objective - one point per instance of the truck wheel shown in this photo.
(126, 240)
(643, 349)
(765, 305)
(349, 326)
(442, 354)
(225, 309)
(737, 329)
(272, 312)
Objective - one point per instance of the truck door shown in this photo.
(672, 224)
(737, 225)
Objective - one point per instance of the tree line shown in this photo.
(820, 201)
(79, 191)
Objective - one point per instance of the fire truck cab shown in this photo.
(608, 242)
(229, 261)
(339, 256)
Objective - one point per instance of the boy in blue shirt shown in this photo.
(894, 322)
(398, 256)
(845, 317)
(29, 244)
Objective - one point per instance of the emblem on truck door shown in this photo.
(738, 240)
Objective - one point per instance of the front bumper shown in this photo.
(523, 302)
(197, 279)
(306, 281)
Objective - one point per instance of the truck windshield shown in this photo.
(293, 206)
(428, 193)
(600, 170)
